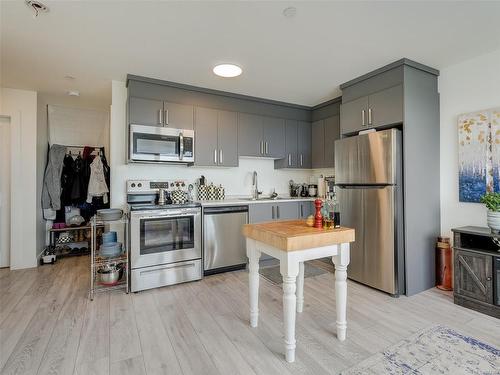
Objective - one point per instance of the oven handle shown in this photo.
(170, 267)
(164, 216)
(181, 146)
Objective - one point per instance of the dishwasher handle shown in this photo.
(224, 210)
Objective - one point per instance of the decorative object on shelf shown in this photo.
(443, 264)
(492, 202)
(479, 154)
(64, 237)
(318, 218)
(76, 220)
(110, 214)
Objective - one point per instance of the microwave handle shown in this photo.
(181, 146)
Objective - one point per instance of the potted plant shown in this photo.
(492, 202)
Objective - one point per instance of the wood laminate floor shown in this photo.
(48, 325)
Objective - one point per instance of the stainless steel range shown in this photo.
(165, 239)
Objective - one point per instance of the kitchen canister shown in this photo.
(202, 192)
(220, 192)
(211, 192)
(178, 197)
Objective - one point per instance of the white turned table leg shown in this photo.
(289, 271)
(341, 260)
(253, 277)
(300, 288)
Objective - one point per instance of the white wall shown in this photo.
(21, 106)
(237, 181)
(466, 87)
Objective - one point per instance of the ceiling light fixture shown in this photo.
(227, 70)
(37, 7)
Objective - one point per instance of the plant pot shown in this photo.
(493, 220)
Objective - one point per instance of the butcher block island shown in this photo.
(292, 243)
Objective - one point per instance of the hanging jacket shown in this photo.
(79, 181)
(67, 177)
(51, 189)
(97, 183)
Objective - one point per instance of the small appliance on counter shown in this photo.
(165, 240)
(312, 190)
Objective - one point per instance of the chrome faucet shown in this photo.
(256, 192)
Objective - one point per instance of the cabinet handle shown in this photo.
(166, 117)
(301, 211)
(220, 156)
(272, 212)
(278, 211)
(301, 160)
(369, 116)
(289, 159)
(363, 117)
(160, 117)
(267, 149)
(215, 156)
(261, 147)
(488, 279)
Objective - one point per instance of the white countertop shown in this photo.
(231, 201)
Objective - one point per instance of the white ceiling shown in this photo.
(299, 60)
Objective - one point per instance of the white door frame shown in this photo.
(5, 185)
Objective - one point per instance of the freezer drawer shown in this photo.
(166, 274)
(376, 253)
(223, 244)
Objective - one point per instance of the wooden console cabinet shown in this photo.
(475, 255)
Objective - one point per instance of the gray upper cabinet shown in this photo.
(216, 138)
(318, 144)
(386, 107)
(353, 115)
(159, 113)
(250, 131)
(274, 137)
(206, 142)
(179, 116)
(145, 111)
(228, 138)
(304, 145)
(291, 144)
(332, 133)
(382, 108)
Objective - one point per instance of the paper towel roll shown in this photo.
(321, 187)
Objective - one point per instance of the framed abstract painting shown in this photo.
(478, 154)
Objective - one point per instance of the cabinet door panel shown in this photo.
(318, 144)
(250, 135)
(228, 139)
(305, 209)
(259, 212)
(291, 152)
(145, 111)
(287, 211)
(304, 145)
(473, 275)
(332, 133)
(179, 116)
(206, 152)
(386, 106)
(274, 137)
(351, 115)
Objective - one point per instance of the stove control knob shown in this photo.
(171, 184)
(183, 184)
(132, 185)
(139, 185)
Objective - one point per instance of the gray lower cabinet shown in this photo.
(473, 275)
(216, 138)
(274, 137)
(160, 113)
(145, 111)
(250, 130)
(324, 134)
(382, 108)
(260, 212)
(306, 208)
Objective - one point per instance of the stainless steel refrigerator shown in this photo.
(368, 175)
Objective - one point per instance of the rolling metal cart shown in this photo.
(97, 261)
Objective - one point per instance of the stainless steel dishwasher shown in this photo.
(224, 247)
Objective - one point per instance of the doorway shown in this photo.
(5, 160)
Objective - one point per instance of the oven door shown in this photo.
(164, 236)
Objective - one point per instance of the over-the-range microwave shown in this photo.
(160, 144)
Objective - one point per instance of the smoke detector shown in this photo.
(290, 12)
(37, 7)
